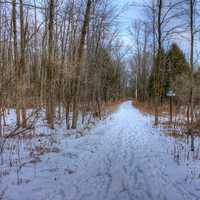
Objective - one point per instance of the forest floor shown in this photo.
(179, 125)
(122, 158)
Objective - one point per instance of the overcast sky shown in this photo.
(129, 14)
(126, 18)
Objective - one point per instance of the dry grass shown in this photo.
(41, 150)
(112, 106)
(174, 133)
(163, 110)
(148, 108)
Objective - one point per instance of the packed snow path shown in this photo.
(122, 158)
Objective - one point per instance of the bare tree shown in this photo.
(78, 63)
(191, 25)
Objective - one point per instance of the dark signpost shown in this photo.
(170, 94)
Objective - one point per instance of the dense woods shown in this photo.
(99, 99)
(59, 56)
(66, 57)
(166, 58)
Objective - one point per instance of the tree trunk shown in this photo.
(21, 66)
(192, 2)
(50, 68)
(78, 65)
(15, 62)
(158, 62)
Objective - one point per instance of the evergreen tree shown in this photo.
(173, 64)
(176, 62)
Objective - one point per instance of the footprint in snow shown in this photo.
(71, 155)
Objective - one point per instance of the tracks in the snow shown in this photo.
(123, 158)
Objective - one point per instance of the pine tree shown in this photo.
(176, 62)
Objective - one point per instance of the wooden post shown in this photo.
(171, 94)
(171, 114)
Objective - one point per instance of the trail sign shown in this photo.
(170, 94)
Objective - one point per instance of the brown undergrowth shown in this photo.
(148, 108)
(112, 106)
(177, 128)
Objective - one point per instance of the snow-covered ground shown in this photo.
(122, 158)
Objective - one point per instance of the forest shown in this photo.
(68, 57)
(58, 54)
(159, 63)
(67, 65)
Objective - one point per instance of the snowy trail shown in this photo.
(123, 158)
